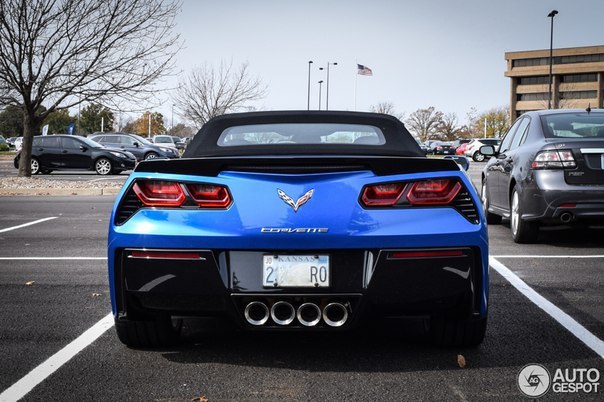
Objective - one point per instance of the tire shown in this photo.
(492, 219)
(522, 231)
(478, 157)
(103, 166)
(148, 334)
(461, 332)
(35, 166)
(151, 155)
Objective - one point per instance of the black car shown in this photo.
(549, 169)
(139, 146)
(67, 152)
(444, 148)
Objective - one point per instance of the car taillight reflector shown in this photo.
(433, 192)
(209, 196)
(382, 194)
(166, 255)
(155, 193)
(554, 159)
(399, 255)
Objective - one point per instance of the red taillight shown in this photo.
(382, 194)
(554, 159)
(209, 196)
(154, 193)
(398, 255)
(433, 192)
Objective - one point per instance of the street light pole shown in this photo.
(551, 15)
(320, 83)
(308, 94)
(172, 117)
(327, 84)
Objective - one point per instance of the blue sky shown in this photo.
(443, 53)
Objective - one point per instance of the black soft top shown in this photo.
(398, 141)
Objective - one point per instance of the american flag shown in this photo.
(364, 70)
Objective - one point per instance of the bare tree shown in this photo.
(208, 92)
(387, 108)
(61, 53)
(424, 123)
(448, 127)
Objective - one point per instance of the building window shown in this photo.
(579, 78)
(537, 80)
(579, 95)
(544, 61)
(538, 96)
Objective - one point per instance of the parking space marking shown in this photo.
(19, 389)
(548, 256)
(28, 224)
(578, 330)
(52, 258)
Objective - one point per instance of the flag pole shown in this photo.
(356, 79)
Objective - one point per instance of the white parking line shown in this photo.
(548, 256)
(52, 258)
(19, 389)
(28, 224)
(578, 330)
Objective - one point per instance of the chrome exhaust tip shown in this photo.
(283, 313)
(335, 314)
(256, 313)
(309, 314)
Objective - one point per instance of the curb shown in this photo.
(7, 192)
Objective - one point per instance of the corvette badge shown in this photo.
(297, 204)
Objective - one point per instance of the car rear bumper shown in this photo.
(549, 199)
(364, 283)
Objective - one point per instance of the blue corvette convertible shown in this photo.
(299, 221)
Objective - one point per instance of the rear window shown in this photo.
(574, 125)
(301, 133)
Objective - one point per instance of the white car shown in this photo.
(473, 147)
(18, 144)
(165, 140)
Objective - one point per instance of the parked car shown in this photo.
(179, 142)
(165, 140)
(547, 170)
(18, 143)
(461, 150)
(137, 145)
(297, 220)
(458, 143)
(69, 152)
(444, 148)
(473, 147)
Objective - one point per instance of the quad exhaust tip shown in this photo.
(309, 314)
(283, 313)
(256, 313)
(335, 314)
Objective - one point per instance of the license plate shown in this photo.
(295, 271)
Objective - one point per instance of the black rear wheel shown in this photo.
(522, 231)
(492, 218)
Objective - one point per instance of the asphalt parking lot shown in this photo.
(546, 307)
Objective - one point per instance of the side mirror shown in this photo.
(83, 148)
(487, 150)
(136, 144)
(462, 161)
